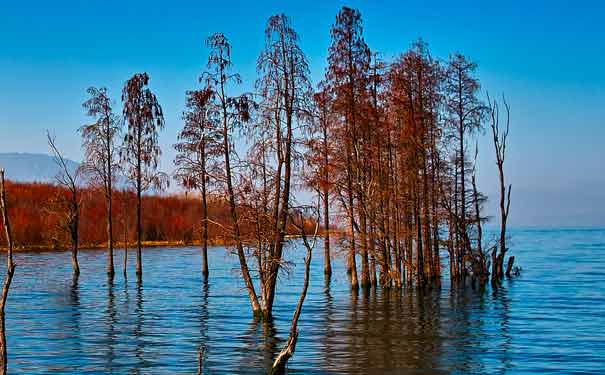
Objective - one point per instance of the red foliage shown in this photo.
(165, 218)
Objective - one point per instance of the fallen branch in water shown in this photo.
(279, 365)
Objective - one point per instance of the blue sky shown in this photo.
(547, 57)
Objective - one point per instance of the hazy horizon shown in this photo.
(551, 76)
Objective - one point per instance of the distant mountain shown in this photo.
(24, 167)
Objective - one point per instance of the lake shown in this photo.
(551, 319)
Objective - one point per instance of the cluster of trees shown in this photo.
(389, 147)
(392, 149)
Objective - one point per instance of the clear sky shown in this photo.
(547, 57)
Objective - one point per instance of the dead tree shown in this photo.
(141, 151)
(100, 154)
(67, 204)
(10, 271)
(499, 137)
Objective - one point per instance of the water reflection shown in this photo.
(139, 316)
(326, 352)
(3, 350)
(90, 324)
(110, 321)
(73, 319)
(204, 316)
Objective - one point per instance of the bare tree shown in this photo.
(141, 151)
(10, 271)
(499, 137)
(67, 204)
(465, 116)
(198, 148)
(285, 90)
(232, 112)
(101, 160)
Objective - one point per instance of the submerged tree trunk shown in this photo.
(74, 238)
(326, 215)
(256, 309)
(509, 266)
(74, 258)
(499, 140)
(110, 266)
(139, 266)
(326, 204)
(204, 226)
(125, 248)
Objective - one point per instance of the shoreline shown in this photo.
(132, 245)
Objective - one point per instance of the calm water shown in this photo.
(549, 320)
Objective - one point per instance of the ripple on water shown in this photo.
(550, 320)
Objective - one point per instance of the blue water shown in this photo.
(551, 319)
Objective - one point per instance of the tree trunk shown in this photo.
(125, 247)
(74, 227)
(204, 228)
(110, 267)
(363, 244)
(74, 255)
(326, 217)
(326, 206)
(256, 310)
(509, 266)
(279, 365)
(494, 267)
(139, 266)
(10, 270)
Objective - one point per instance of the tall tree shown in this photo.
(414, 78)
(141, 151)
(198, 148)
(101, 155)
(319, 157)
(499, 136)
(465, 116)
(347, 77)
(285, 89)
(232, 113)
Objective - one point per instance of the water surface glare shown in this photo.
(549, 320)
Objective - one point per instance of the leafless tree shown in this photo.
(233, 112)
(198, 149)
(101, 160)
(67, 204)
(500, 137)
(285, 91)
(465, 114)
